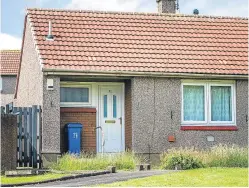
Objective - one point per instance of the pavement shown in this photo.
(102, 179)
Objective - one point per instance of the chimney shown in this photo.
(166, 6)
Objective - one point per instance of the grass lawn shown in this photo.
(15, 180)
(205, 177)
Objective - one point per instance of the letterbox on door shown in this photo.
(73, 137)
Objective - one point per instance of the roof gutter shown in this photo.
(65, 72)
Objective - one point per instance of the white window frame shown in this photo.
(77, 85)
(233, 104)
(207, 88)
(205, 104)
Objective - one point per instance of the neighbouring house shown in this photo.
(151, 81)
(9, 62)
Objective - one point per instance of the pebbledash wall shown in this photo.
(8, 89)
(153, 103)
(32, 91)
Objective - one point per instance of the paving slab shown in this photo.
(103, 179)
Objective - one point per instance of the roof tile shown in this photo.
(141, 42)
(9, 62)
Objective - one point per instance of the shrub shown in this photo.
(122, 161)
(181, 159)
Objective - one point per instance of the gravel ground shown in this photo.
(102, 179)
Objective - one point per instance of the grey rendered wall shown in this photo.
(6, 99)
(32, 91)
(8, 84)
(51, 121)
(8, 89)
(156, 114)
(8, 142)
(31, 77)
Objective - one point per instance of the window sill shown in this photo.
(208, 128)
(77, 110)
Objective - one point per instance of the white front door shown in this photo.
(110, 118)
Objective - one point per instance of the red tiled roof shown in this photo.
(141, 42)
(9, 62)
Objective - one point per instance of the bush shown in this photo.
(181, 159)
(122, 161)
(217, 156)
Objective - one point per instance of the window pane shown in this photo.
(193, 103)
(114, 106)
(105, 106)
(221, 103)
(70, 94)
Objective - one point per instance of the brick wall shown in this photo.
(128, 123)
(85, 116)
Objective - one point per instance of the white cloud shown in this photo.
(231, 9)
(105, 5)
(215, 8)
(206, 7)
(8, 42)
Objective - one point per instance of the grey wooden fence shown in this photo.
(28, 135)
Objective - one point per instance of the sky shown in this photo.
(13, 11)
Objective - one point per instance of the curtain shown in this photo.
(68, 94)
(193, 102)
(221, 103)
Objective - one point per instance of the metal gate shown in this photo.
(28, 135)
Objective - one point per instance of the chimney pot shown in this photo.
(166, 6)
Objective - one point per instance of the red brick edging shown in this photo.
(78, 109)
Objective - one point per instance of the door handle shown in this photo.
(120, 120)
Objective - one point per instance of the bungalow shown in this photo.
(140, 81)
(8, 72)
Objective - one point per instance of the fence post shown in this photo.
(20, 135)
(25, 149)
(30, 137)
(34, 135)
(40, 135)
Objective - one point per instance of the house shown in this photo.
(10, 60)
(140, 81)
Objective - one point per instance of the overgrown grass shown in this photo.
(205, 177)
(225, 156)
(122, 161)
(35, 178)
(217, 156)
